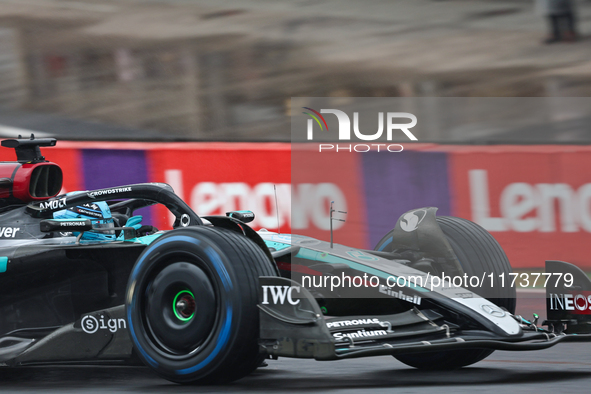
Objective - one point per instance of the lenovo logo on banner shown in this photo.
(525, 207)
(299, 208)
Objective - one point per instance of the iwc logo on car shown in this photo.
(279, 294)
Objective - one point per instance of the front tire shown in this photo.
(191, 305)
(478, 253)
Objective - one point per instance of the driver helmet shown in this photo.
(100, 216)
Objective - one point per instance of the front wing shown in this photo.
(292, 325)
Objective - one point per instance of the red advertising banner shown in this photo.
(215, 178)
(319, 178)
(535, 200)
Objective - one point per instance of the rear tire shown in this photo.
(478, 253)
(191, 305)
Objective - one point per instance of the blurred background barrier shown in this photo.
(226, 70)
(535, 200)
(213, 178)
(223, 77)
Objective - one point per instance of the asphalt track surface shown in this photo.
(565, 369)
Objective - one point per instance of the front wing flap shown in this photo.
(292, 325)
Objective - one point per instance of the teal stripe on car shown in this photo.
(146, 240)
(276, 245)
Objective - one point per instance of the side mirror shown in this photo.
(69, 225)
(243, 216)
(80, 225)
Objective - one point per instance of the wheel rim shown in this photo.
(184, 305)
(181, 309)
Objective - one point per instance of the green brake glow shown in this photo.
(178, 316)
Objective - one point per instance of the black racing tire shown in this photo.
(191, 305)
(478, 253)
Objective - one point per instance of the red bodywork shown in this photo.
(29, 181)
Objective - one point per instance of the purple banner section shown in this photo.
(396, 183)
(104, 168)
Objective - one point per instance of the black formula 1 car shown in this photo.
(81, 282)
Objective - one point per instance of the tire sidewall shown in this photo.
(504, 296)
(202, 251)
(452, 359)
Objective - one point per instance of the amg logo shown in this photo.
(72, 224)
(279, 294)
(399, 294)
(8, 232)
(109, 191)
(578, 303)
(340, 336)
(53, 204)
